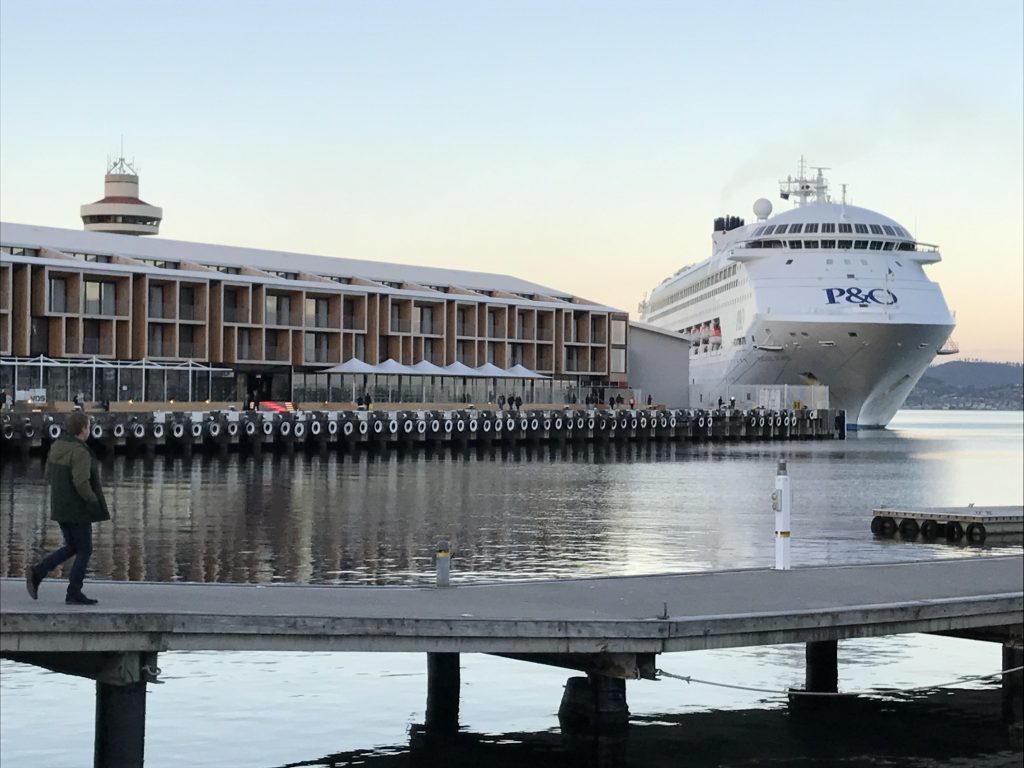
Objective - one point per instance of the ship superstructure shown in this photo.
(826, 293)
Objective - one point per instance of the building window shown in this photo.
(187, 302)
(156, 341)
(316, 313)
(231, 305)
(245, 344)
(571, 359)
(91, 337)
(279, 310)
(316, 347)
(100, 298)
(58, 294)
(426, 320)
(271, 350)
(187, 341)
(156, 301)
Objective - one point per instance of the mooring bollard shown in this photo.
(444, 563)
(782, 500)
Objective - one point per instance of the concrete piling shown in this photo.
(443, 683)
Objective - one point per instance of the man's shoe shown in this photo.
(79, 599)
(32, 583)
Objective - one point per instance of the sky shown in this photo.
(587, 146)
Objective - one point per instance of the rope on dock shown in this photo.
(796, 692)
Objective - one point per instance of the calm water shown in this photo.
(525, 515)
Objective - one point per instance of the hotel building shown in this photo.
(109, 313)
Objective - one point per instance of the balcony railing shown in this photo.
(545, 334)
(160, 313)
(245, 352)
(317, 320)
(91, 345)
(235, 315)
(187, 312)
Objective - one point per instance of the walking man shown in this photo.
(76, 502)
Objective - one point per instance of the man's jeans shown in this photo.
(77, 543)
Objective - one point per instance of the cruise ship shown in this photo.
(826, 293)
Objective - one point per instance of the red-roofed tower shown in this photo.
(121, 212)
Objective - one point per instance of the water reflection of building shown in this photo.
(265, 316)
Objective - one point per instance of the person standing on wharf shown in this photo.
(76, 502)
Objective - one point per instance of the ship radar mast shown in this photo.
(804, 188)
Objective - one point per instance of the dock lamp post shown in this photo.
(782, 503)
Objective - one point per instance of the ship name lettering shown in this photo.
(856, 295)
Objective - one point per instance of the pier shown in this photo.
(976, 523)
(609, 628)
(349, 430)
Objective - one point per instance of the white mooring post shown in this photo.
(444, 563)
(782, 502)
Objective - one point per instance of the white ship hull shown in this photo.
(869, 376)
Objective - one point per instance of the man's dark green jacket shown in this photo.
(76, 495)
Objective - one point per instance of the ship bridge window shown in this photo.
(794, 228)
(845, 244)
(828, 227)
(860, 243)
(888, 230)
(758, 231)
(845, 228)
(904, 246)
(828, 243)
(876, 229)
(769, 229)
(901, 232)
(795, 244)
(876, 245)
(810, 244)
(861, 228)
(887, 247)
(810, 228)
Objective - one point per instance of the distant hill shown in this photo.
(970, 385)
(977, 374)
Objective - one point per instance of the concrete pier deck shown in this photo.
(641, 614)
